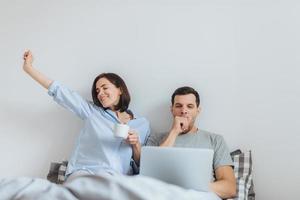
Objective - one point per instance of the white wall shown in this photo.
(242, 56)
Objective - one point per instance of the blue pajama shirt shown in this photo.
(96, 149)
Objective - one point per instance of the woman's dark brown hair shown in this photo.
(119, 83)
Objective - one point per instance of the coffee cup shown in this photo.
(121, 130)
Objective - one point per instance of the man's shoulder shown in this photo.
(209, 134)
(156, 138)
(161, 135)
(214, 137)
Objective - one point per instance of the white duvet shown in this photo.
(106, 187)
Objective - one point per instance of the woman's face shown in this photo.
(108, 93)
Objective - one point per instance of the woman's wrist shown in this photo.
(27, 68)
(136, 146)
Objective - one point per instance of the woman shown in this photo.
(97, 150)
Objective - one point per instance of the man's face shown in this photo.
(186, 106)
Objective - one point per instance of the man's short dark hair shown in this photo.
(119, 83)
(184, 91)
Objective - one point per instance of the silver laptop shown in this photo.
(190, 168)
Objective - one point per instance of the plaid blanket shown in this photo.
(243, 173)
(57, 172)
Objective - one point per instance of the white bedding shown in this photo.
(106, 187)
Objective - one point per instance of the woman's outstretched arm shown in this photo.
(35, 74)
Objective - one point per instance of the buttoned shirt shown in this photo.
(97, 150)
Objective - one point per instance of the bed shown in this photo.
(118, 187)
(108, 187)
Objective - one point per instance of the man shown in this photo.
(184, 133)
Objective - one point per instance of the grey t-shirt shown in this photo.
(200, 139)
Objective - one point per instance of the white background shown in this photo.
(242, 56)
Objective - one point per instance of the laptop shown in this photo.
(190, 168)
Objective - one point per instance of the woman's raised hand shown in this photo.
(28, 60)
(35, 74)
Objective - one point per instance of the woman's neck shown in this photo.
(124, 117)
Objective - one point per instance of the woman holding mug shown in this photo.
(97, 150)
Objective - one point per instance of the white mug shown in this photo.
(121, 130)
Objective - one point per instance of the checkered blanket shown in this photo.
(57, 172)
(243, 173)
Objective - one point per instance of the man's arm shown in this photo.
(225, 184)
(176, 129)
(169, 140)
